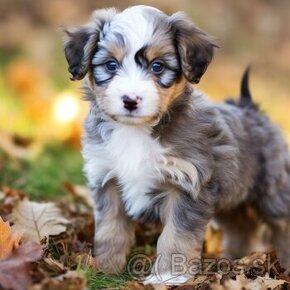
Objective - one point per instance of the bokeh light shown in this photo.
(66, 108)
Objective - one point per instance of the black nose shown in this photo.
(129, 103)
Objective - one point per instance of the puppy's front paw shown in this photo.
(166, 278)
(110, 261)
(163, 272)
(111, 254)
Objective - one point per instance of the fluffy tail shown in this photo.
(245, 94)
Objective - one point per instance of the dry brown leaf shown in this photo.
(14, 270)
(198, 280)
(8, 240)
(269, 283)
(80, 192)
(38, 220)
(71, 280)
(159, 287)
(9, 192)
(248, 260)
(53, 265)
(186, 287)
(13, 150)
(242, 283)
(134, 285)
(9, 197)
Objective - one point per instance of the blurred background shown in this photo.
(41, 111)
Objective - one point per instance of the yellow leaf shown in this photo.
(8, 240)
(38, 220)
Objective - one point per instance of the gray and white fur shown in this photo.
(156, 149)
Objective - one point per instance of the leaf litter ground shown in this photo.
(49, 246)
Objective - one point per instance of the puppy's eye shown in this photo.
(157, 67)
(112, 66)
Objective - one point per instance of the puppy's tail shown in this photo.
(245, 93)
(246, 100)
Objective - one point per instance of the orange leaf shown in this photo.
(8, 240)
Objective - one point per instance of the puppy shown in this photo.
(155, 149)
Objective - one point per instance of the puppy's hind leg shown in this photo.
(239, 227)
(276, 211)
(281, 240)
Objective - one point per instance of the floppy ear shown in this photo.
(195, 48)
(81, 42)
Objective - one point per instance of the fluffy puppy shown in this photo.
(156, 149)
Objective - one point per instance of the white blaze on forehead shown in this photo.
(135, 25)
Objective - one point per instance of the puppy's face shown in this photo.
(138, 61)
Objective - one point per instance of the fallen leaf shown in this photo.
(158, 287)
(71, 280)
(9, 197)
(134, 285)
(13, 150)
(38, 220)
(277, 268)
(184, 287)
(8, 240)
(259, 264)
(14, 270)
(53, 265)
(242, 283)
(269, 283)
(12, 193)
(80, 192)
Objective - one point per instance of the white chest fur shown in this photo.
(131, 155)
(137, 160)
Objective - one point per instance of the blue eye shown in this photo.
(157, 67)
(112, 66)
